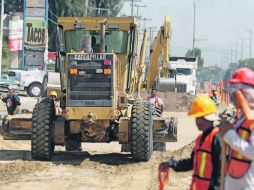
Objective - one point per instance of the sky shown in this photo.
(221, 26)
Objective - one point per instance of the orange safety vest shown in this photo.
(239, 165)
(156, 102)
(203, 166)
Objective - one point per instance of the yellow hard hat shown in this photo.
(53, 93)
(202, 106)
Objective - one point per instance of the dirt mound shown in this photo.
(173, 102)
(9, 172)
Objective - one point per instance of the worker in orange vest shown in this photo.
(155, 100)
(240, 135)
(205, 158)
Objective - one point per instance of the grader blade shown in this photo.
(164, 129)
(17, 127)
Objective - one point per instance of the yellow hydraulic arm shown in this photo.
(160, 46)
(141, 67)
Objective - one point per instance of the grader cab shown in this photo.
(96, 61)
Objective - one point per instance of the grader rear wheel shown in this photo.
(141, 131)
(42, 126)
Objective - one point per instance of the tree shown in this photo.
(211, 73)
(114, 7)
(227, 75)
(247, 63)
(13, 6)
(197, 53)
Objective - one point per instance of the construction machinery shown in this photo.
(185, 75)
(97, 61)
(158, 69)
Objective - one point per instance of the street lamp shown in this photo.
(194, 28)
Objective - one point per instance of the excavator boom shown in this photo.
(159, 47)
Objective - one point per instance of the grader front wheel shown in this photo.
(42, 126)
(141, 131)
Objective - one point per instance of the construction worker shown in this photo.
(215, 97)
(155, 100)
(12, 101)
(240, 135)
(205, 157)
(58, 109)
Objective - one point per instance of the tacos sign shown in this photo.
(35, 35)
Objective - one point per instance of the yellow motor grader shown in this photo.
(97, 60)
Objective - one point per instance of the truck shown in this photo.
(182, 75)
(97, 67)
(32, 78)
(186, 72)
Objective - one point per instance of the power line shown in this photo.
(52, 21)
(145, 19)
(132, 5)
(50, 11)
(139, 6)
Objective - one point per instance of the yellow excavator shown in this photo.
(97, 61)
(156, 73)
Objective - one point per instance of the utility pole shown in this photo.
(86, 2)
(132, 5)
(250, 40)
(138, 6)
(194, 28)
(236, 52)
(1, 35)
(145, 19)
(242, 48)
(231, 56)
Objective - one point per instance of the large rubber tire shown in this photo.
(42, 128)
(141, 133)
(31, 90)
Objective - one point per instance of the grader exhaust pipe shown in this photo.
(102, 35)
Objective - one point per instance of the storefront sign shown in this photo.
(35, 34)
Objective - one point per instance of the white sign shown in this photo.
(16, 27)
(36, 3)
(35, 12)
(15, 35)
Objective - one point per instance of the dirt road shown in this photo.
(101, 166)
